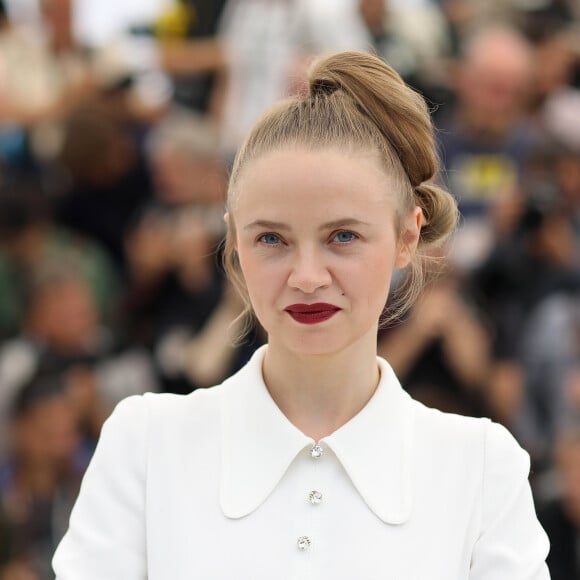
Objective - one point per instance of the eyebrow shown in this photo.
(339, 223)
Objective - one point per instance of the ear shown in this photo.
(409, 237)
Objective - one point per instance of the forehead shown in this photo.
(302, 180)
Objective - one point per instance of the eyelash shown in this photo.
(352, 234)
(262, 238)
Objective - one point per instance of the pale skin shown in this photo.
(317, 226)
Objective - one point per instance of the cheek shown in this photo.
(261, 276)
(380, 280)
(371, 279)
(381, 263)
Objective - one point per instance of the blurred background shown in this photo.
(118, 123)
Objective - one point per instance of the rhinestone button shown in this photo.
(314, 497)
(316, 451)
(303, 543)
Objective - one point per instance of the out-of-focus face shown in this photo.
(553, 65)
(179, 180)
(496, 88)
(48, 434)
(64, 316)
(568, 176)
(496, 76)
(317, 239)
(373, 13)
(58, 15)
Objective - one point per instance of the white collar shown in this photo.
(259, 443)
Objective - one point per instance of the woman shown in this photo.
(312, 462)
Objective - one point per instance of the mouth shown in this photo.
(312, 313)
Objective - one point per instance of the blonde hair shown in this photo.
(355, 100)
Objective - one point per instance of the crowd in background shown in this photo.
(113, 171)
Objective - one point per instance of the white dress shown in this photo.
(220, 485)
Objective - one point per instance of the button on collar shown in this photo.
(316, 451)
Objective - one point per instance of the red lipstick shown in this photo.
(312, 313)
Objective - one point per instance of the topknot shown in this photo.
(322, 87)
(378, 91)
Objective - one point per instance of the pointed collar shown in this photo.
(259, 444)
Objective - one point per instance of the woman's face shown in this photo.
(317, 243)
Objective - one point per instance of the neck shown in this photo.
(320, 393)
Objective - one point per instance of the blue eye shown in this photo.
(343, 237)
(270, 239)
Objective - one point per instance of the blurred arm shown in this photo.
(192, 56)
(211, 351)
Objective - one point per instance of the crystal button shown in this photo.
(314, 497)
(316, 451)
(303, 543)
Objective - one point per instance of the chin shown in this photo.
(324, 344)
(325, 340)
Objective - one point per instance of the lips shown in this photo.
(312, 313)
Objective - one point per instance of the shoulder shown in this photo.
(146, 428)
(485, 442)
(199, 410)
(441, 427)
(436, 423)
(153, 410)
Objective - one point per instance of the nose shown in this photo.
(309, 271)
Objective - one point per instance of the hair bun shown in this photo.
(440, 213)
